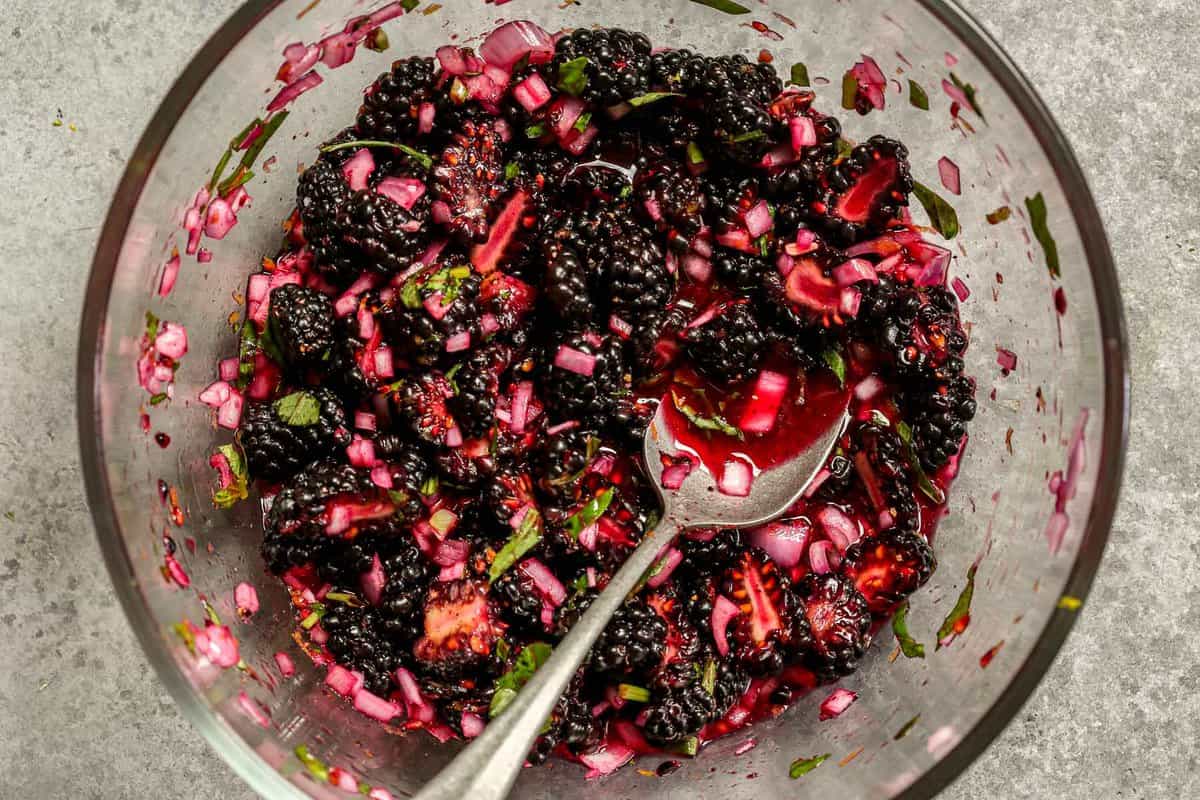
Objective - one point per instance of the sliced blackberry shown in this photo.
(379, 234)
(682, 712)
(358, 642)
(510, 301)
(422, 404)
(888, 567)
(741, 128)
(636, 277)
(469, 180)
(461, 628)
(617, 66)
(519, 603)
(881, 464)
(588, 398)
(439, 302)
(302, 323)
(632, 642)
(867, 190)
(839, 621)
(766, 626)
(391, 104)
(312, 424)
(476, 385)
(728, 346)
(566, 284)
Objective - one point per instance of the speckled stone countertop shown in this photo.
(81, 713)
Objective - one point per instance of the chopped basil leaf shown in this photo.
(748, 136)
(799, 75)
(219, 169)
(725, 6)
(709, 681)
(833, 359)
(999, 215)
(686, 747)
(909, 646)
(651, 97)
(593, 510)
(298, 408)
(151, 325)
(344, 597)
(459, 92)
(580, 584)
(582, 123)
(269, 129)
(694, 153)
(377, 40)
(314, 765)
(1036, 206)
(844, 148)
(714, 423)
(802, 766)
(849, 91)
(409, 5)
(764, 246)
(572, 76)
(239, 177)
(908, 726)
(523, 540)
(503, 649)
(636, 694)
(511, 170)
(960, 616)
(924, 483)
(156, 399)
(593, 444)
(626, 190)
(535, 131)
(410, 294)
(531, 657)
(942, 216)
(414, 154)
(225, 498)
(969, 91)
(315, 612)
(917, 95)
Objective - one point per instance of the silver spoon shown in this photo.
(487, 768)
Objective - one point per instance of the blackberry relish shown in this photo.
(491, 280)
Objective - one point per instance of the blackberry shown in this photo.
(673, 126)
(741, 128)
(589, 398)
(508, 491)
(939, 417)
(560, 460)
(683, 711)
(461, 628)
(636, 276)
(708, 78)
(510, 301)
(727, 347)
(710, 556)
(888, 567)
(409, 574)
(357, 641)
(567, 286)
(673, 199)
(566, 615)
(460, 469)
(302, 323)
(476, 385)
(654, 343)
(617, 66)
(302, 503)
(320, 195)
(378, 233)
(436, 304)
(422, 404)
(594, 185)
(571, 724)
(630, 419)
(519, 603)
(839, 621)
(867, 190)
(741, 272)
(881, 462)
(391, 104)
(632, 642)
(312, 424)
(730, 195)
(468, 180)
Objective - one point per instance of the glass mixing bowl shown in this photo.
(917, 722)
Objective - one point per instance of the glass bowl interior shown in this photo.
(917, 722)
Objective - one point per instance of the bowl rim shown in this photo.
(246, 762)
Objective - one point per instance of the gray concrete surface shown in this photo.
(81, 714)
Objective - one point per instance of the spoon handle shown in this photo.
(487, 768)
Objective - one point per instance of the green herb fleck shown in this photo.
(924, 482)
(511, 170)
(593, 510)
(764, 246)
(908, 726)
(724, 6)
(226, 497)
(709, 680)
(184, 632)
(580, 584)
(315, 612)
(909, 646)
(942, 216)
(414, 154)
(314, 765)
(802, 766)
(377, 40)
(151, 325)
(849, 91)
(714, 423)
(536, 130)
(269, 128)
(917, 95)
(969, 91)
(430, 486)
(651, 97)
(531, 657)
(837, 365)
(1038, 214)
(625, 192)
(219, 169)
(999, 215)
(686, 747)
(409, 5)
(10, 516)
(582, 123)
(636, 694)
(344, 597)
(799, 75)
(694, 153)
(844, 148)
(240, 177)
(503, 649)
(156, 399)
(960, 616)
(748, 136)
(526, 536)
(298, 408)
(572, 76)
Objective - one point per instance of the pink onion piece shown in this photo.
(338, 519)
(300, 59)
(620, 327)
(472, 725)
(822, 475)
(383, 363)
(381, 476)
(735, 478)
(854, 271)
(950, 175)
(577, 142)
(765, 401)
(783, 541)
(218, 644)
(227, 368)
(219, 219)
(169, 275)
(245, 598)
(745, 747)
(375, 707)
(804, 132)
(177, 572)
(818, 557)
(253, 709)
(454, 437)
(698, 268)
(607, 760)
(338, 49)
(364, 420)
(868, 388)
(373, 581)
(961, 290)
(512, 41)
(229, 415)
(453, 572)
(343, 681)
(674, 475)
(1056, 530)
(737, 240)
(563, 113)
(359, 168)
(589, 536)
(361, 452)
(779, 156)
(724, 611)
(520, 406)
(404, 191)
(1007, 359)
(452, 60)
(576, 361)
(871, 82)
(839, 528)
(670, 561)
(758, 219)
(425, 116)
(458, 342)
(287, 668)
(956, 94)
(383, 14)
(836, 703)
(532, 93)
(548, 585)
(310, 80)
(215, 394)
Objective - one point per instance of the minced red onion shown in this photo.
(229, 415)
(451, 552)
(452, 572)
(745, 747)
(366, 323)
(588, 537)
(950, 175)
(815, 484)
(548, 585)
(735, 478)
(670, 562)
(339, 519)
(784, 542)
(361, 452)
(489, 324)
(697, 267)
(868, 388)
(1007, 359)
(219, 219)
(403, 191)
(674, 475)
(215, 394)
(738, 240)
(381, 476)
(373, 580)
(511, 42)
(577, 142)
(818, 557)
(779, 156)
(839, 528)
(287, 668)
(836, 703)
(310, 80)
(961, 290)
(300, 58)
(871, 82)
(606, 760)
(854, 271)
(219, 645)
(245, 598)
(620, 327)
(765, 402)
(383, 363)
(358, 169)
(804, 132)
(758, 219)
(364, 420)
(576, 361)
(522, 394)
(454, 437)
(375, 707)
(724, 611)
(337, 49)
(192, 224)
(170, 273)
(253, 710)
(563, 114)
(554, 430)
(458, 342)
(472, 725)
